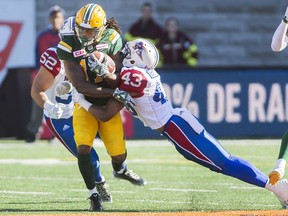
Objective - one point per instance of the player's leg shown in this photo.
(85, 129)
(204, 149)
(279, 170)
(63, 131)
(113, 137)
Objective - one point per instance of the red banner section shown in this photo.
(5, 53)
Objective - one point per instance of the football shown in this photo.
(104, 58)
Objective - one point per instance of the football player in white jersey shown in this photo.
(58, 110)
(141, 92)
(279, 43)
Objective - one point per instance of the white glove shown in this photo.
(63, 88)
(55, 110)
(97, 67)
(125, 98)
(80, 99)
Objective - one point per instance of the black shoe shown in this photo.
(104, 191)
(30, 137)
(95, 202)
(130, 176)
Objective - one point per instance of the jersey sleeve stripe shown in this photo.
(64, 46)
(114, 37)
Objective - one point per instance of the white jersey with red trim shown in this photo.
(151, 103)
(51, 62)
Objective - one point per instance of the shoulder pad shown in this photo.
(67, 28)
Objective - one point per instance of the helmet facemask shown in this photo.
(88, 36)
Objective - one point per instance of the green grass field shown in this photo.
(43, 178)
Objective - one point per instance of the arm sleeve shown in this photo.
(50, 61)
(116, 43)
(279, 39)
(64, 51)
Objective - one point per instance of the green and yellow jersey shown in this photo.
(70, 49)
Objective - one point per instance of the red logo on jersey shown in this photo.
(5, 53)
(79, 53)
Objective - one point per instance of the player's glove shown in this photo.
(80, 99)
(63, 88)
(55, 110)
(97, 67)
(125, 98)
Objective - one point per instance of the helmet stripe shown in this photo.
(156, 52)
(89, 12)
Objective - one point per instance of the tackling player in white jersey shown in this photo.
(150, 104)
(56, 100)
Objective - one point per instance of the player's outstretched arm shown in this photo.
(43, 80)
(41, 83)
(75, 74)
(106, 113)
(279, 39)
(102, 113)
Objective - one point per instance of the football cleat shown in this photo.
(95, 203)
(130, 176)
(281, 192)
(104, 191)
(275, 175)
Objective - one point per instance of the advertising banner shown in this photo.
(17, 33)
(231, 103)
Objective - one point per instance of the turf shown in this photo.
(43, 178)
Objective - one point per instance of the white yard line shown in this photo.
(54, 161)
(43, 161)
(246, 188)
(25, 192)
(183, 190)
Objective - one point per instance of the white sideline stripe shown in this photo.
(26, 192)
(35, 161)
(156, 201)
(52, 161)
(183, 190)
(122, 192)
(246, 188)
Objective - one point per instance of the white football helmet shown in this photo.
(140, 53)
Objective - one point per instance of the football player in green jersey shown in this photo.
(279, 43)
(81, 35)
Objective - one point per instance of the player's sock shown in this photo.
(86, 169)
(119, 168)
(96, 165)
(283, 153)
(96, 168)
(280, 164)
(92, 191)
(245, 171)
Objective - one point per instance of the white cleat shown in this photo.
(281, 192)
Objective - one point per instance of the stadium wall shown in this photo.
(228, 33)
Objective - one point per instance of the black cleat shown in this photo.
(95, 203)
(104, 191)
(130, 176)
(30, 137)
